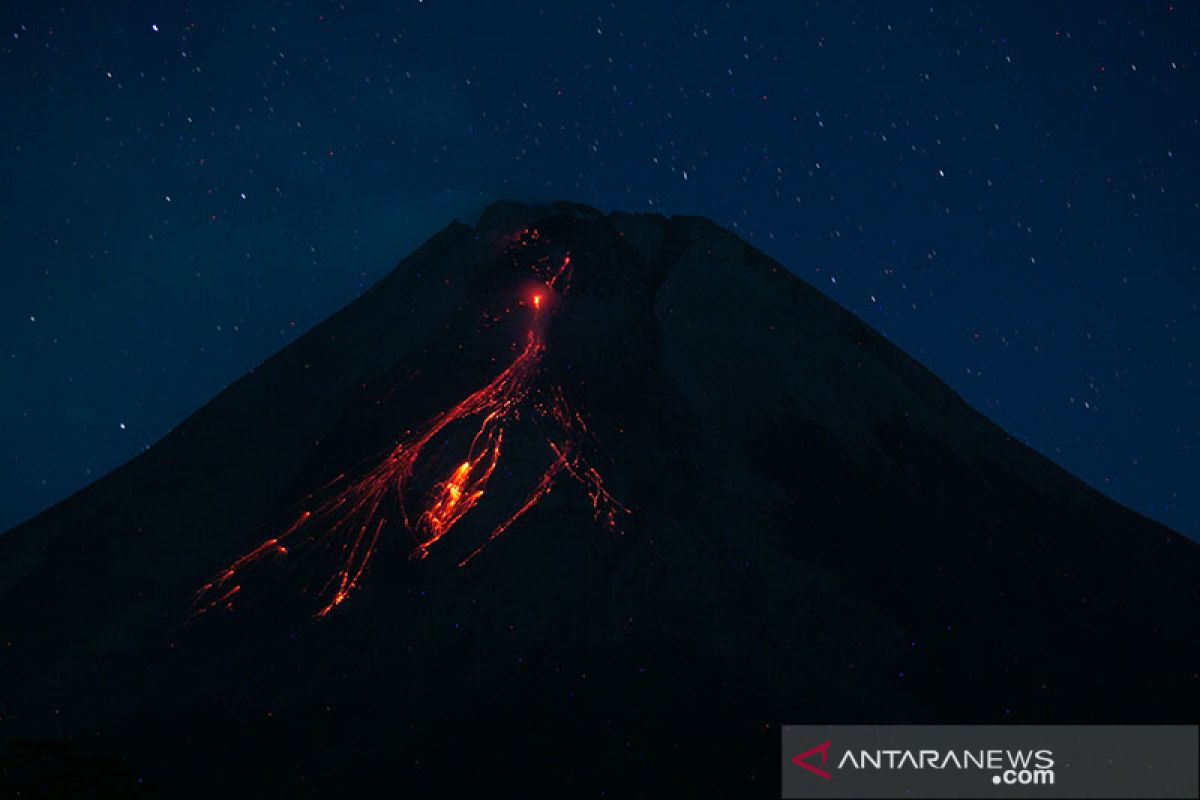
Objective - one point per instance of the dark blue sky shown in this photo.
(1010, 192)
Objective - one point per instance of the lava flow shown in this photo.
(350, 517)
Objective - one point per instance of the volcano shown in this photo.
(579, 503)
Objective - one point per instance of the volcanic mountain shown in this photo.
(571, 502)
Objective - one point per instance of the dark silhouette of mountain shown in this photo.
(578, 503)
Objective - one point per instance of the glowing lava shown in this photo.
(349, 521)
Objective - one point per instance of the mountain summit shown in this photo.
(571, 502)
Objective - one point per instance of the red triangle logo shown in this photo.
(802, 760)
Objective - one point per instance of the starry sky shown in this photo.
(1008, 191)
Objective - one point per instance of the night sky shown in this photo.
(1008, 191)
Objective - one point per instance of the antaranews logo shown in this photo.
(802, 760)
(1010, 767)
(990, 761)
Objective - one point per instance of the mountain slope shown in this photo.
(789, 520)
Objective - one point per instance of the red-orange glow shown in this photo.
(349, 521)
(540, 490)
(563, 269)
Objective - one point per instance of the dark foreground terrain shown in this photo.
(790, 521)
